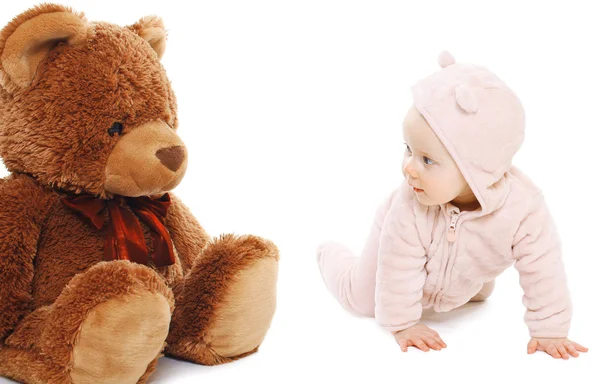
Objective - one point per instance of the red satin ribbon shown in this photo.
(125, 238)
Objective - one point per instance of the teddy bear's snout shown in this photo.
(172, 157)
(147, 160)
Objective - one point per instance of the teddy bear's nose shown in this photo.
(171, 157)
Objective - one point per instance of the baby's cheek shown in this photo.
(437, 191)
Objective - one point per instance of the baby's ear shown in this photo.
(152, 29)
(28, 39)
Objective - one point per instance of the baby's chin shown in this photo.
(423, 198)
(426, 200)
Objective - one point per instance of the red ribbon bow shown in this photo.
(125, 239)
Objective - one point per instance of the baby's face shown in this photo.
(429, 168)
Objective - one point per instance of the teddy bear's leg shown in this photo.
(108, 325)
(225, 304)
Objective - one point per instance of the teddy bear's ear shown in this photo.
(152, 29)
(26, 41)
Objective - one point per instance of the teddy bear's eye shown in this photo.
(116, 128)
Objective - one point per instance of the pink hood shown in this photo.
(479, 120)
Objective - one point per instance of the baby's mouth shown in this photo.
(418, 190)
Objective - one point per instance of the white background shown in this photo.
(292, 115)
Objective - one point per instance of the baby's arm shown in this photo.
(400, 279)
(537, 251)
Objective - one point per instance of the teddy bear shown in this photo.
(102, 269)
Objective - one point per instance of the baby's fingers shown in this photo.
(436, 336)
(532, 346)
(433, 343)
(421, 345)
(403, 344)
(571, 349)
(563, 352)
(552, 351)
(579, 347)
(440, 341)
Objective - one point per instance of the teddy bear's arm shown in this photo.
(188, 236)
(21, 217)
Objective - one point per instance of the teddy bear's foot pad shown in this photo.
(119, 339)
(245, 315)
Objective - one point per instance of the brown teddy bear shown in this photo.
(100, 268)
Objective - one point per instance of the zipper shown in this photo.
(451, 236)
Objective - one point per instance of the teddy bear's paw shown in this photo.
(244, 317)
(225, 309)
(119, 339)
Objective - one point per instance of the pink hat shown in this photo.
(478, 118)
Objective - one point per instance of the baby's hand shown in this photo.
(556, 348)
(420, 336)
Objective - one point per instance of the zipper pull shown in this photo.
(452, 229)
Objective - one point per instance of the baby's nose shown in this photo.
(409, 170)
(172, 157)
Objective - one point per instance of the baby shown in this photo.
(463, 216)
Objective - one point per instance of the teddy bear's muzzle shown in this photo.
(147, 160)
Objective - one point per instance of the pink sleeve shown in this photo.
(537, 251)
(400, 269)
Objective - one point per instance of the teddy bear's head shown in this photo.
(87, 107)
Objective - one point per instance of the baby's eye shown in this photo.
(408, 149)
(428, 161)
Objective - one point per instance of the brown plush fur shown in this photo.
(14, 44)
(55, 113)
